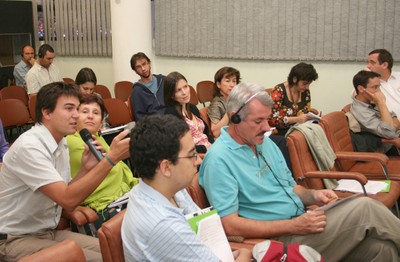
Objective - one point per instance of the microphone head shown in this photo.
(85, 134)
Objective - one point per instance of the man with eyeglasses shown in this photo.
(147, 96)
(370, 109)
(246, 179)
(154, 227)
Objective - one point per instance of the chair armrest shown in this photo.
(76, 216)
(363, 156)
(314, 111)
(339, 175)
(89, 213)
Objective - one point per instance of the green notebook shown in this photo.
(193, 222)
(387, 189)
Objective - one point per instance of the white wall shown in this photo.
(329, 93)
(102, 66)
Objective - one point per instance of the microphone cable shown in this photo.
(279, 182)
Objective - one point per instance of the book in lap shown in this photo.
(206, 223)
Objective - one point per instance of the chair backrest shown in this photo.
(269, 90)
(194, 100)
(337, 131)
(205, 117)
(346, 108)
(130, 108)
(302, 160)
(118, 113)
(205, 91)
(123, 89)
(65, 251)
(68, 80)
(13, 112)
(103, 91)
(15, 92)
(32, 105)
(197, 193)
(110, 239)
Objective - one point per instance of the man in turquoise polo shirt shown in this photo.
(246, 179)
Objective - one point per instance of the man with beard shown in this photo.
(246, 179)
(147, 97)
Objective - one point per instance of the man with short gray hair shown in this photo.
(246, 179)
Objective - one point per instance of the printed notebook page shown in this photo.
(211, 232)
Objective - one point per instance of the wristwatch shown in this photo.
(285, 119)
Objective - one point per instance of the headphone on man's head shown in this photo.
(235, 118)
(40, 52)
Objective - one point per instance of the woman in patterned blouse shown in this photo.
(292, 99)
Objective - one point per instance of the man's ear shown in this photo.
(46, 113)
(294, 80)
(360, 89)
(385, 65)
(165, 167)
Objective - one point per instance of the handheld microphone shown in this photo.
(87, 137)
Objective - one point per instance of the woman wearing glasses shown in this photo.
(176, 98)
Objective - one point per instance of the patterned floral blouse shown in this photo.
(197, 131)
(282, 107)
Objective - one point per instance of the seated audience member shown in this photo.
(22, 68)
(247, 181)
(86, 80)
(43, 71)
(370, 110)
(154, 226)
(176, 99)
(35, 179)
(225, 80)
(3, 142)
(119, 180)
(223, 83)
(292, 99)
(147, 97)
(381, 61)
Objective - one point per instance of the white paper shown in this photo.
(268, 133)
(212, 234)
(349, 185)
(313, 116)
(112, 130)
(120, 201)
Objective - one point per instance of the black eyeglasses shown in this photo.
(195, 155)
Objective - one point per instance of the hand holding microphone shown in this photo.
(87, 138)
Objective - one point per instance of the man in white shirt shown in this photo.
(26, 63)
(35, 178)
(381, 61)
(43, 71)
